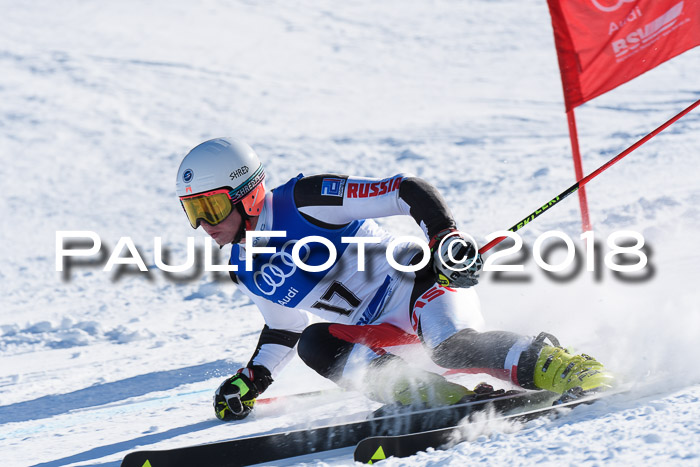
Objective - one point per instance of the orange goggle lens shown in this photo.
(213, 207)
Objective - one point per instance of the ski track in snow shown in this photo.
(99, 103)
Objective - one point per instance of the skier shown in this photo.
(221, 187)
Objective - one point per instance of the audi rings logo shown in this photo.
(279, 267)
(612, 5)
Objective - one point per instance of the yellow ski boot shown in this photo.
(558, 371)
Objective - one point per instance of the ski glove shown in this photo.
(450, 258)
(235, 398)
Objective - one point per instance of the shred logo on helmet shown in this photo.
(223, 167)
(248, 187)
(237, 173)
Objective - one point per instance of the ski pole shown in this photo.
(586, 179)
(321, 392)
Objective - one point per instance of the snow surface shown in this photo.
(99, 101)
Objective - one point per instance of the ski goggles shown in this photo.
(213, 206)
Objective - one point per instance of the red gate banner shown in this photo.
(602, 44)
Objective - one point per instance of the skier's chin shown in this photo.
(222, 239)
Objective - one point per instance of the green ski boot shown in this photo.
(558, 371)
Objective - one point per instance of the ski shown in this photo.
(376, 448)
(275, 446)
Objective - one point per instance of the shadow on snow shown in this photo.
(102, 451)
(100, 394)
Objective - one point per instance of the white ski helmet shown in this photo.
(217, 176)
